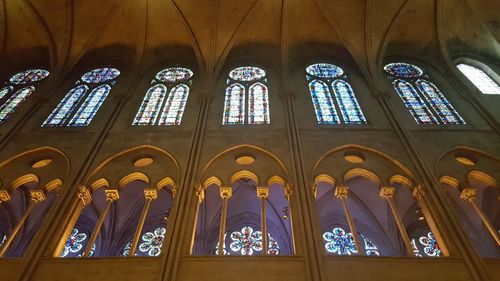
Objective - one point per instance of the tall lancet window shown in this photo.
(325, 79)
(240, 107)
(157, 107)
(17, 89)
(423, 99)
(480, 79)
(80, 105)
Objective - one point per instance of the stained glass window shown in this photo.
(74, 244)
(422, 98)
(19, 87)
(150, 245)
(480, 79)
(340, 242)
(247, 242)
(426, 246)
(80, 104)
(242, 80)
(327, 79)
(4, 239)
(441, 105)
(176, 79)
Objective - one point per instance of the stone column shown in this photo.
(387, 192)
(150, 194)
(263, 194)
(225, 194)
(342, 192)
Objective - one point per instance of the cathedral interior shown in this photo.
(244, 140)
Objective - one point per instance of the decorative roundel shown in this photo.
(29, 76)
(100, 75)
(401, 69)
(324, 70)
(247, 73)
(174, 74)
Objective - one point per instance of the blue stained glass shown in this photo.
(29, 76)
(417, 107)
(174, 74)
(247, 241)
(100, 75)
(258, 104)
(234, 105)
(404, 70)
(247, 73)
(10, 105)
(324, 70)
(68, 104)
(428, 244)
(351, 111)
(174, 107)
(153, 241)
(323, 103)
(74, 244)
(90, 106)
(150, 107)
(340, 242)
(439, 103)
(5, 90)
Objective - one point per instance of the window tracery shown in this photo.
(241, 80)
(19, 87)
(426, 246)
(340, 242)
(99, 83)
(74, 244)
(421, 97)
(480, 79)
(177, 80)
(247, 242)
(325, 79)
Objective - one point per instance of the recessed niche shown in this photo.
(465, 159)
(245, 159)
(354, 157)
(41, 163)
(144, 161)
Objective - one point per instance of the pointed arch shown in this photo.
(150, 107)
(234, 105)
(90, 106)
(349, 106)
(446, 112)
(413, 102)
(323, 103)
(66, 107)
(10, 105)
(175, 105)
(483, 82)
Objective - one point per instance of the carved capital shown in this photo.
(263, 192)
(226, 192)
(468, 194)
(37, 196)
(4, 196)
(112, 194)
(84, 195)
(387, 192)
(150, 194)
(341, 191)
(418, 192)
(200, 193)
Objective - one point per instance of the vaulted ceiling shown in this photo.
(208, 35)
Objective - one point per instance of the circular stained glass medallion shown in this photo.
(29, 76)
(174, 74)
(402, 69)
(100, 75)
(247, 73)
(324, 70)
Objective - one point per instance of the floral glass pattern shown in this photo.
(480, 79)
(176, 79)
(74, 244)
(83, 101)
(247, 242)
(426, 245)
(340, 242)
(325, 79)
(18, 88)
(420, 96)
(152, 242)
(242, 80)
